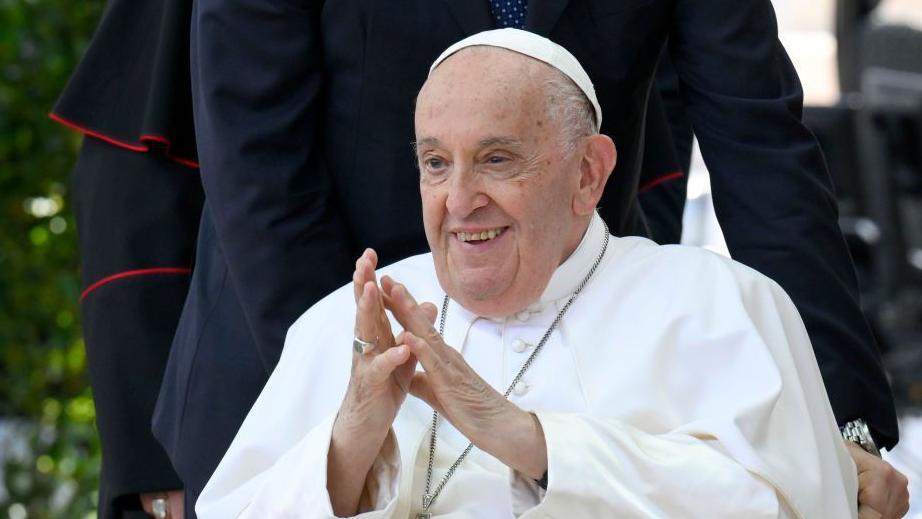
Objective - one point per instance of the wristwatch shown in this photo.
(857, 432)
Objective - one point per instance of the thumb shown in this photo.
(422, 389)
(386, 362)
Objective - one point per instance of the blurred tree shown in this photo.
(44, 397)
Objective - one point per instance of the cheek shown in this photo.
(433, 210)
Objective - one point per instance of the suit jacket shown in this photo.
(304, 118)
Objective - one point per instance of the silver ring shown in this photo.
(159, 506)
(362, 347)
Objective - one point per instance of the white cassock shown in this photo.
(679, 384)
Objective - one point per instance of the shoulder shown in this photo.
(683, 262)
(682, 274)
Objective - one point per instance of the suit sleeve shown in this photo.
(257, 83)
(772, 194)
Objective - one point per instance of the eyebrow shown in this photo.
(488, 141)
(500, 141)
(426, 141)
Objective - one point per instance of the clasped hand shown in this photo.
(382, 378)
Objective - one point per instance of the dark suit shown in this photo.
(304, 118)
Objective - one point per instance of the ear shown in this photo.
(597, 163)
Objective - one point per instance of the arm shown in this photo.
(256, 78)
(772, 194)
(301, 451)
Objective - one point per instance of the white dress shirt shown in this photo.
(679, 384)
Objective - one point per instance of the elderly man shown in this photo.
(561, 372)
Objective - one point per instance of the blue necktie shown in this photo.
(509, 13)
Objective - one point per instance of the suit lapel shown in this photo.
(543, 15)
(473, 15)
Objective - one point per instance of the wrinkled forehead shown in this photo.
(477, 65)
(486, 79)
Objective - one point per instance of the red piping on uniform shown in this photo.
(657, 181)
(141, 148)
(134, 273)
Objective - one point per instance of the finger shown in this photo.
(422, 389)
(413, 318)
(863, 461)
(430, 311)
(902, 496)
(177, 506)
(357, 283)
(422, 350)
(903, 507)
(364, 270)
(381, 367)
(372, 257)
(365, 318)
(387, 284)
(404, 372)
(866, 512)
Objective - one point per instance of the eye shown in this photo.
(497, 159)
(434, 163)
(433, 168)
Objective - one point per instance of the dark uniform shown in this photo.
(137, 196)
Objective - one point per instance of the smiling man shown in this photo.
(553, 370)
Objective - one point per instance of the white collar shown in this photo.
(568, 275)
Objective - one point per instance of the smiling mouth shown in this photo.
(476, 237)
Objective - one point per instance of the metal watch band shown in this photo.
(857, 431)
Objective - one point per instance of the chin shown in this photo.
(489, 299)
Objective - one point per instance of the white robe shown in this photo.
(679, 384)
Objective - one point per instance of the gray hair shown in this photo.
(569, 107)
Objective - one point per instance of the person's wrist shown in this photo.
(355, 433)
(517, 439)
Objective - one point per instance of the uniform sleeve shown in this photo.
(772, 194)
(257, 80)
(747, 430)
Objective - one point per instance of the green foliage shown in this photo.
(43, 385)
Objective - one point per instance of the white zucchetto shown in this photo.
(534, 46)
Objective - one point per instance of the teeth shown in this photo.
(479, 236)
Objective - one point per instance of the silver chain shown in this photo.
(429, 497)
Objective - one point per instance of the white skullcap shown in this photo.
(538, 47)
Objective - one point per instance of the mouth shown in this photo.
(481, 236)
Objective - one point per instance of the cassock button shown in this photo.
(518, 345)
(520, 388)
(523, 316)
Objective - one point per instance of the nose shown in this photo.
(465, 194)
